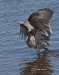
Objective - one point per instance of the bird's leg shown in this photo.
(46, 48)
(38, 51)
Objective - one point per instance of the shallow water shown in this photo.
(16, 58)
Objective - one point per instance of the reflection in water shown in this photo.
(40, 66)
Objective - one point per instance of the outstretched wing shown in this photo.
(40, 20)
(45, 14)
(25, 28)
(42, 16)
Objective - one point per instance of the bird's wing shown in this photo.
(40, 20)
(42, 41)
(23, 30)
(45, 13)
(42, 15)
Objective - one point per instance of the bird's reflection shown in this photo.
(40, 66)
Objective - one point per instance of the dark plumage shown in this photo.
(37, 30)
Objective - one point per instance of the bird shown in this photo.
(37, 29)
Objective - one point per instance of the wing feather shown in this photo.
(44, 15)
(40, 20)
(23, 30)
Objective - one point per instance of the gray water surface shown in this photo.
(16, 58)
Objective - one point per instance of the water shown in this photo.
(16, 58)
